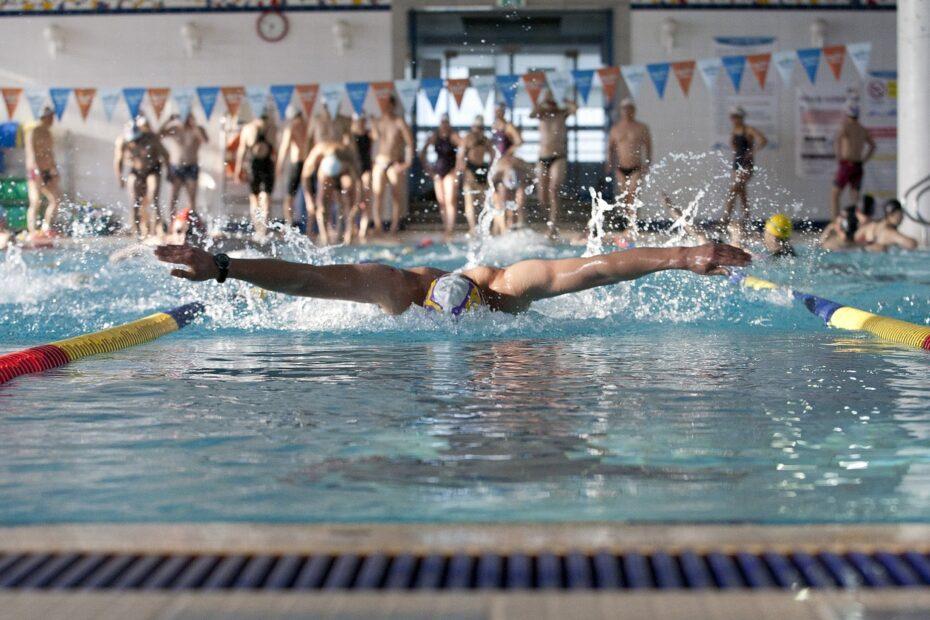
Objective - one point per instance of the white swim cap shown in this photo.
(627, 103)
(452, 294)
(511, 179)
(737, 111)
(330, 166)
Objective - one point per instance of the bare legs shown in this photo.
(52, 193)
(446, 194)
(836, 194)
(551, 176)
(737, 191)
(259, 205)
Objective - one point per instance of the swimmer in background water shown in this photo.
(879, 236)
(840, 234)
(509, 289)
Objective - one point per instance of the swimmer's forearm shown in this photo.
(274, 275)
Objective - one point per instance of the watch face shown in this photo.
(272, 26)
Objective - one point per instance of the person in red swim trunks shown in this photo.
(853, 147)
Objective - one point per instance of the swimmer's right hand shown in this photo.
(712, 259)
(200, 264)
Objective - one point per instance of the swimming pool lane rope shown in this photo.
(52, 355)
(846, 317)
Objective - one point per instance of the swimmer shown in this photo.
(507, 138)
(295, 144)
(629, 151)
(883, 234)
(777, 236)
(840, 234)
(145, 154)
(746, 142)
(42, 175)
(509, 289)
(393, 158)
(553, 154)
(362, 141)
(257, 142)
(335, 167)
(687, 224)
(475, 158)
(445, 142)
(185, 172)
(853, 147)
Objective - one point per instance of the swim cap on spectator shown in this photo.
(779, 226)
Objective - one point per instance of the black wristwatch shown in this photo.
(222, 263)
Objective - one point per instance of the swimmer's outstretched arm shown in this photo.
(394, 290)
(526, 281)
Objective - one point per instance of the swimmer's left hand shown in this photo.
(712, 259)
(200, 264)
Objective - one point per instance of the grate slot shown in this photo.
(43, 576)
(22, 569)
(696, 572)
(920, 565)
(578, 572)
(489, 572)
(812, 571)
(254, 572)
(755, 572)
(313, 573)
(548, 572)
(79, 571)
(400, 572)
(460, 572)
(223, 574)
(898, 569)
(371, 574)
(106, 574)
(785, 574)
(284, 572)
(607, 574)
(342, 573)
(840, 570)
(636, 571)
(519, 572)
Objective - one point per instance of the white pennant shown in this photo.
(331, 93)
(559, 83)
(860, 54)
(634, 76)
(483, 84)
(407, 92)
(710, 69)
(183, 99)
(257, 97)
(784, 62)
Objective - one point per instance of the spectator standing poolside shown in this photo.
(853, 147)
(42, 174)
(553, 154)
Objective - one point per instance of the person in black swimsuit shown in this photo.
(257, 141)
(445, 142)
(746, 141)
(475, 158)
(553, 153)
(361, 138)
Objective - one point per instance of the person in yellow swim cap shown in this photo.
(777, 236)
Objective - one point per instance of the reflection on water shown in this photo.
(655, 423)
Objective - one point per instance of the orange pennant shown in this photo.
(609, 78)
(158, 97)
(11, 99)
(457, 88)
(307, 93)
(759, 64)
(84, 97)
(534, 82)
(835, 55)
(684, 71)
(383, 92)
(233, 96)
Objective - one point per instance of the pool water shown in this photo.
(674, 398)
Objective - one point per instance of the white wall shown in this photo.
(147, 50)
(687, 124)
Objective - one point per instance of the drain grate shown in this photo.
(542, 571)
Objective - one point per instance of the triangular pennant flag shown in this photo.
(332, 96)
(109, 97)
(559, 84)
(59, 100)
(382, 92)
(734, 65)
(133, 98)
(860, 54)
(835, 55)
(257, 96)
(431, 88)
(84, 98)
(684, 72)
(759, 65)
(158, 97)
(36, 99)
(810, 60)
(534, 82)
(507, 86)
(407, 92)
(233, 96)
(183, 100)
(710, 69)
(306, 95)
(633, 75)
(483, 85)
(784, 63)
(11, 99)
(358, 91)
(584, 79)
(659, 74)
(458, 87)
(207, 95)
(282, 95)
